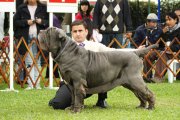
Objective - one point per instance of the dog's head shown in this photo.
(51, 39)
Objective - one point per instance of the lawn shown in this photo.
(33, 105)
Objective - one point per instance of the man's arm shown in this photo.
(101, 48)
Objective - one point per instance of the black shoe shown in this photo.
(102, 104)
(51, 102)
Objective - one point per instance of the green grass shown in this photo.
(33, 105)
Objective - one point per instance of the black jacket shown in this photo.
(21, 27)
(170, 36)
(6, 24)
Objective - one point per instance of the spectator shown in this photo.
(84, 11)
(170, 32)
(29, 19)
(4, 25)
(109, 18)
(150, 31)
(85, 14)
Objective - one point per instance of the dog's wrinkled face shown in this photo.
(51, 38)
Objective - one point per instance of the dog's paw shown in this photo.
(151, 108)
(76, 110)
(141, 107)
(69, 108)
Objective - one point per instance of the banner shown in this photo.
(7, 5)
(64, 6)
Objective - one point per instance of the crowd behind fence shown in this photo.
(19, 61)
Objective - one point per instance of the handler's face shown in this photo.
(79, 33)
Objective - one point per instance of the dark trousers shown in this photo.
(63, 99)
(107, 38)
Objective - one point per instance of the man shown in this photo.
(109, 19)
(150, 31)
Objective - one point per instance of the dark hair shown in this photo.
(87, 23)
(177, 9)
(79, 22)
(85, 2)
(173, 16)
(26, 1)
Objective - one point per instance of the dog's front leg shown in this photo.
(71, 88)
(79, 94)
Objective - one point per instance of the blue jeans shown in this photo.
(29, 62)
(107, 38)
(21, 72)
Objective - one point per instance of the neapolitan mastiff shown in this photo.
(88, 72)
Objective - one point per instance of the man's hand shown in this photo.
(142, 46)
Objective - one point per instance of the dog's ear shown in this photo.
(61, 33)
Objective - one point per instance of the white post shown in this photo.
(11, 52)
(73, 16)
(50, 57)
(170, 74)
(11, 88)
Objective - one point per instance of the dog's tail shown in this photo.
(144, 51)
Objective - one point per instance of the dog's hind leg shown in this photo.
(144, 94)
(147, 95)
(150, 99)
(142, 101)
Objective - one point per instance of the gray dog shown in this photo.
(88, 72)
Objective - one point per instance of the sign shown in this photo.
(64, 6)
(7, 5)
